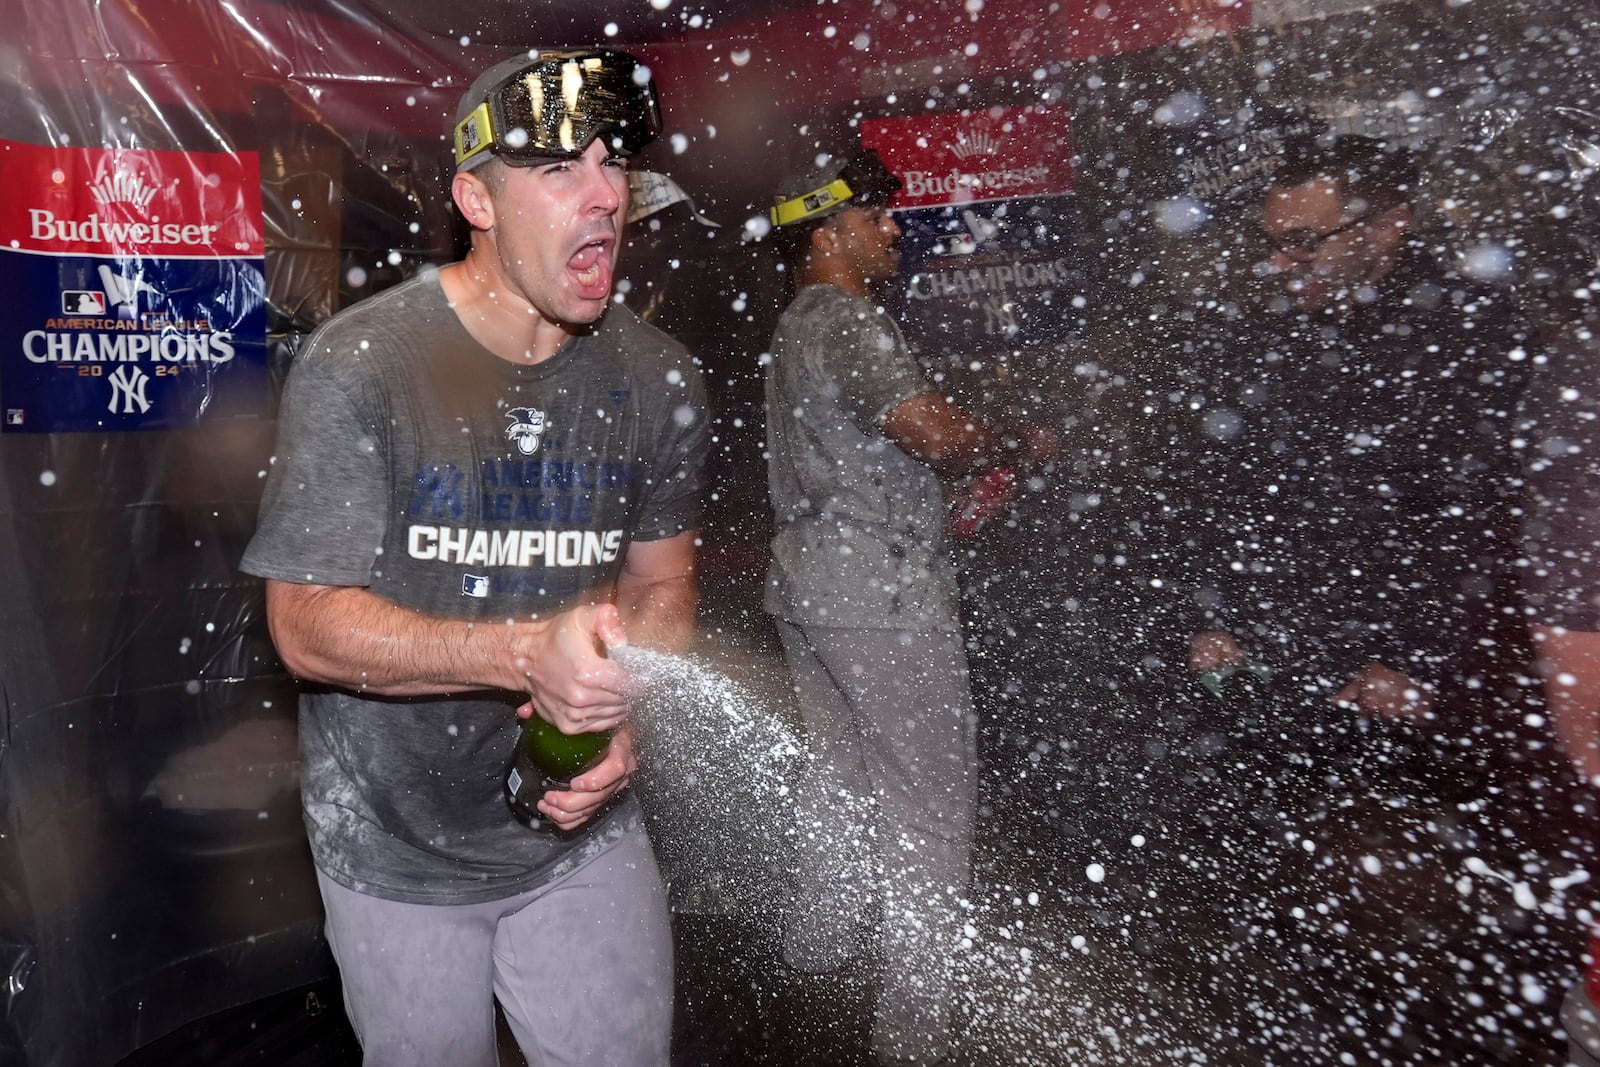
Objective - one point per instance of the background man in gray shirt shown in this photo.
(865, 597)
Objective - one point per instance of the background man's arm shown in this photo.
(955, 443)
(940, 434)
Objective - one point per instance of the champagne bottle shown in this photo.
(549, 759)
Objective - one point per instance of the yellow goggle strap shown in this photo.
(474, 134)
(812, 203)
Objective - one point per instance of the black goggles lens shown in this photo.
(558, 104)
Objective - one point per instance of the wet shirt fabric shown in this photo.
(860, 525)
(415, 463)
(1353, 500)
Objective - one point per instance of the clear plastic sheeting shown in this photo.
(153, 867)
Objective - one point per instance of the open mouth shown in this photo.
(591, 266)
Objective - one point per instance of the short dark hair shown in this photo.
(1385, 175)
(493, 174)
(793, 242)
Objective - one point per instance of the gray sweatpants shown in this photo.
(888, 715)
(582, 968)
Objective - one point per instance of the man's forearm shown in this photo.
(939, 434)
(354, 639)
(659, 614)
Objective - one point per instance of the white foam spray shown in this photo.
(723, 776)
(728, 783)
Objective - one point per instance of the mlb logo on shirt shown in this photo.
(474, 585)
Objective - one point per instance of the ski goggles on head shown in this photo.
(864, 182)
(556, 105)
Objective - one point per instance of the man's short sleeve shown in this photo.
(327, 500)
(674, 499)
(873, 368)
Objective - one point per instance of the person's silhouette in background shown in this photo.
(1362, 525)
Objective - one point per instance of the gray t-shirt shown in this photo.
(860, 538)
(413, 462)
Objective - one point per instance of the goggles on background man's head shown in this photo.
(864, 182)
(558, 103)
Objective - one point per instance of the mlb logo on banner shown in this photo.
(83, 302)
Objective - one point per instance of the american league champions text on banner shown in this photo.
(989, 227)
(136, 287)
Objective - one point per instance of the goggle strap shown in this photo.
(474, 134)
(813, 203)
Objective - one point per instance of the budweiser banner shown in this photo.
(136, 288)
(989, 228)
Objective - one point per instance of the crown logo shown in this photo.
(974, 142)
(122, 187)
